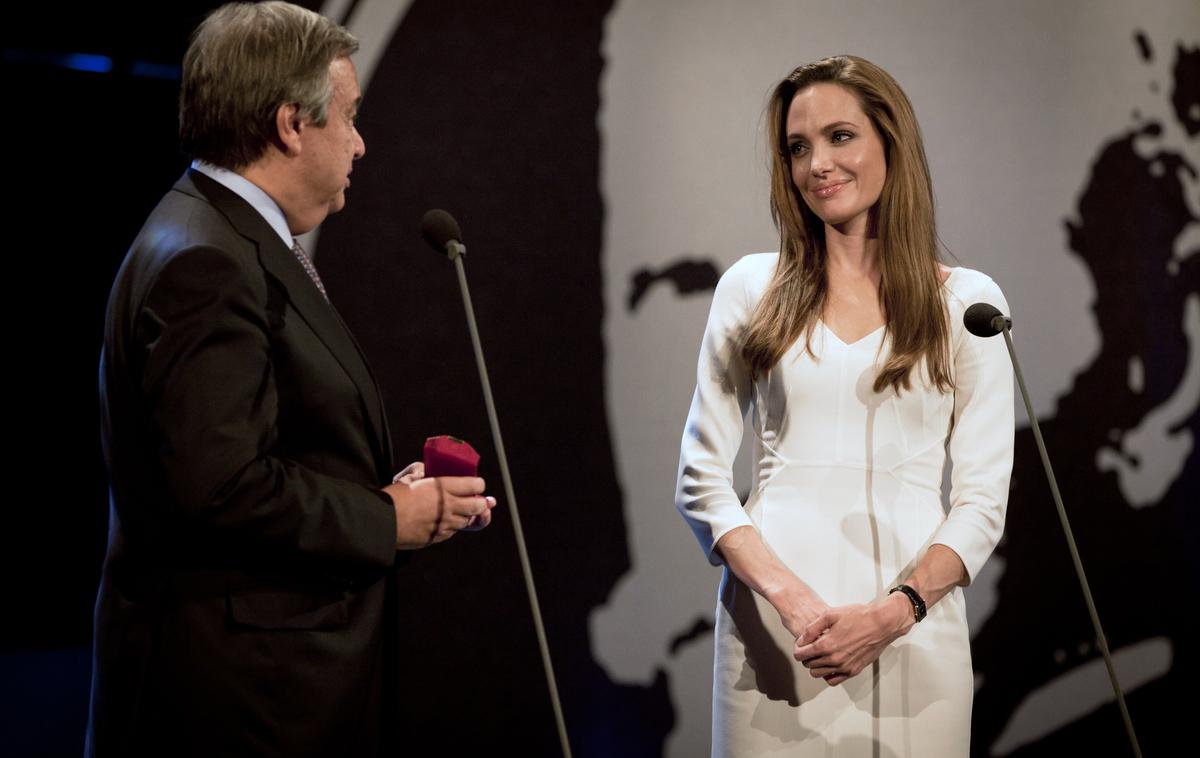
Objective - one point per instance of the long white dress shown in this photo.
(847, 493)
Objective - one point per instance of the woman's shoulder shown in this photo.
(750, 272)
(743, 283)
(966, 286)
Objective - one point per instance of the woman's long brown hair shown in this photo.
(910, 287)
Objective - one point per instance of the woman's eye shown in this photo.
(797, 148)
(842, 136)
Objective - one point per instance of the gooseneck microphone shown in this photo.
(442, 233)
(985, 320)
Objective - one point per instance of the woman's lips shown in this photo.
(828, 190)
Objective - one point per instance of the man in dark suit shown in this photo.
(244, 604)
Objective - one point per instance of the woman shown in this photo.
(841, 624)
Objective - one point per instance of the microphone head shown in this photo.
(980, 320)
(440, 229)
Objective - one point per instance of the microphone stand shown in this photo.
(455, 250)
(1004, 325)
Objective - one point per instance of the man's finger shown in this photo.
(480, 522)
(463, 486)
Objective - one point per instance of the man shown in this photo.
(244, 601)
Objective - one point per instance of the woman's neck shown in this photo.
(851, 253)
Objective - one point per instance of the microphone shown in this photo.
(441, 231)
(984, 320)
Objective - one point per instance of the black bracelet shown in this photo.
(917, 601)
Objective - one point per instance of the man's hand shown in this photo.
(411, 473)
(431, 510)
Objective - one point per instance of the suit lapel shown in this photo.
(376, 410)
(279, 261)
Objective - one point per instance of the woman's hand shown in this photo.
(754, 562)
(843, 641)
(798, 610)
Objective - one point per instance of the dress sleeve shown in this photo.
(704, 492)
(981, 443)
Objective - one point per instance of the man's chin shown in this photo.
(337, 203)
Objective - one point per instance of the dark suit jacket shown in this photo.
(244, 594)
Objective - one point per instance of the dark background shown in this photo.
(90, 153)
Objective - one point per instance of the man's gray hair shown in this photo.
(244, 62)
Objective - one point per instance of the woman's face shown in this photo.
(837, 156)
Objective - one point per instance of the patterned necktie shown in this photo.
(308, 267)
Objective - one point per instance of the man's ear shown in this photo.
(289, 125)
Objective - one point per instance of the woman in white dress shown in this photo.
(840, 624)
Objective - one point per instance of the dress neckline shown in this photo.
(879, 328)
(843, 342)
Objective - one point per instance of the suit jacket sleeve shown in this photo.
(210, 382)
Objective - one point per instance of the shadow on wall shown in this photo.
(1123, 443)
